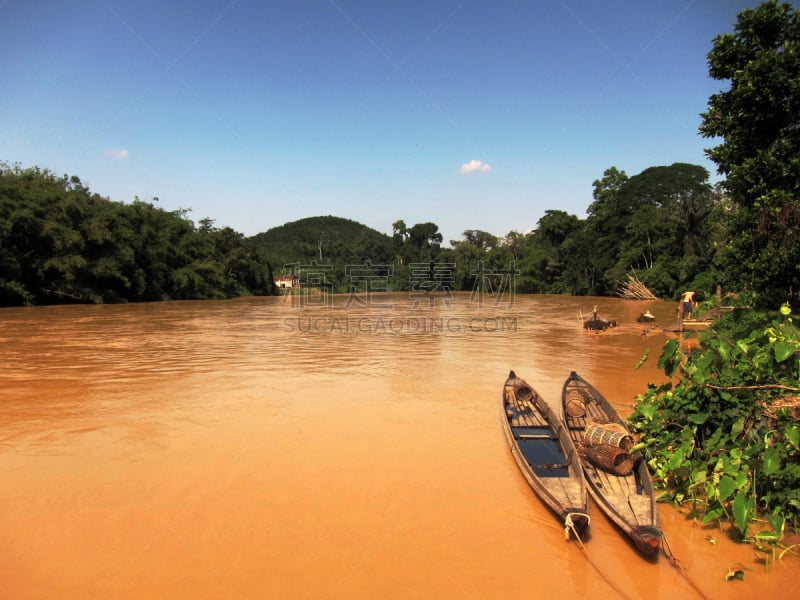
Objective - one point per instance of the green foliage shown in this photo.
(660, 223)
(724, 436)
(334, 242)
(546, 252)
(324, 239)
(61, 243)
(757, 118)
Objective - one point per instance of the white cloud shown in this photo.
(117, 154)
(475, 166)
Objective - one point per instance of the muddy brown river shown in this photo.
(318, 448)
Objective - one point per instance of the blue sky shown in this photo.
(472, 114)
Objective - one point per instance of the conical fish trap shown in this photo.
(612, 434)
(610, 458)
(575, 404)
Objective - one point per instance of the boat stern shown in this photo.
(577, 522)
(647, 539)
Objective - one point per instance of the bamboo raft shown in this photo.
(618, 480)
(545, 454)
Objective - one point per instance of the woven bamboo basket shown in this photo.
(575, 404)
(610, 458)
(612, 434)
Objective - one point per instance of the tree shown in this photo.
(515, 241)
(399, 229)
(758, 119)
(425, 235)
(607, 218)
(544, 259)
(468, 257)
(657, 222)
(60, 243)
(582, 272)
(606, 190)
(399, 236)
(481, 239)
(667, 236)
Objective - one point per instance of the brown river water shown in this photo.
(351, 448)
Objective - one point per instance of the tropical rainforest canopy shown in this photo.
(661, 223)
(60, 243)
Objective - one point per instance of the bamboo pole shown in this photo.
(634, 289)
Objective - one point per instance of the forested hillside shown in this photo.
(61, 243)
(339, 248)
(665, 224)
(323, 239)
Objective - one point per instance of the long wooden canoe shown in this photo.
(628, 499)
(545, 454)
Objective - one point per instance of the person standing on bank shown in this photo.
(687, 305)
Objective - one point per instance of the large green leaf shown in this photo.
(726, 488)
(776, 520)
(742, 509)
(699, 418)
(677, 459)
(670, 357)
(713, 515)
(783, 350)
(742, 479)
(647, 410)
(792, 434)
(772, 461)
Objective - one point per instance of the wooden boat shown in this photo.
(595, 323)
(646, 317)
(623, 488)
(694, 325)
(545, 454)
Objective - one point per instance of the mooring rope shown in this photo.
(673, 560)
(570, 526)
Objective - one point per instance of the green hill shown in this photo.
(326, 240)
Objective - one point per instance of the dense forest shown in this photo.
(661, 224)
(61, 243)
